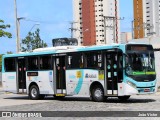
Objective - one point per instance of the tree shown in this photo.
(32, 41)
(0, 62)
(2, 32)
(9, 52)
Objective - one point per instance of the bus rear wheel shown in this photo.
(34, 93)
(123, 98)
(97, 94)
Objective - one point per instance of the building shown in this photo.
(126, 37)
(146, 18)
(90, 19)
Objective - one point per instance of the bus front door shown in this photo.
(59, 75)
(21, 75)
(113, 72)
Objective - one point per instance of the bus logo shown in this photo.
(90, 76)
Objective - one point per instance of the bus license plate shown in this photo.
(146, 90)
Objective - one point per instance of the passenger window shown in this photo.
(45, 63)
(93, 60)
(10, 64)
(75, 60)
(32, 63)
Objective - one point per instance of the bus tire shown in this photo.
(97, 93)
(123, 98)
(34, 92)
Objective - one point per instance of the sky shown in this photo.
(52, 17)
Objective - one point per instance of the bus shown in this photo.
(98, 72)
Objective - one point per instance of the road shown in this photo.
(14, 102)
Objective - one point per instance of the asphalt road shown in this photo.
(14, 102)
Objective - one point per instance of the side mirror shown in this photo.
(126, 59)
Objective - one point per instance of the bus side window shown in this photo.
(93, 60)
(75, 60)
(32, 63)
(10, 64)
(45, 62)
(69, 61)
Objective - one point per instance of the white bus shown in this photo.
(118, 70)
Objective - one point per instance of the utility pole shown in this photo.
(149, 34)
(17, 32)
(19, 42)
(72, 28)
(114, 19)
(132, 28)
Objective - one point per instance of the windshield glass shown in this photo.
(140, 63)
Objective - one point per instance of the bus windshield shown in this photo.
(140, 62)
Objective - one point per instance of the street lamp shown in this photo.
(30, 31)
(34, 26)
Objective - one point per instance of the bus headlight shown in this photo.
(131, 84)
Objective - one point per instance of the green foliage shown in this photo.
(9, 52)
(2, 32)
(0, 62)
(32, 41)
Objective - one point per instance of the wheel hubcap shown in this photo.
(34, 92)
(98, 93)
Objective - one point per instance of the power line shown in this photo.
(45, 22)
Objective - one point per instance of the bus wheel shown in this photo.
(97, 94)
(123, 98)
(34, 93)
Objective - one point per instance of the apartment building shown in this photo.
(96, 21)
(146, 18)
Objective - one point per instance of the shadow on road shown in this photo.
(131, 100)
(84, 99)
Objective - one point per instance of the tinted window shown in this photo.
(32, 63)
(45, 62)
(93, 60)
(10, 64)
(75, 60)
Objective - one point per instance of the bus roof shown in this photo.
(65, 49)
